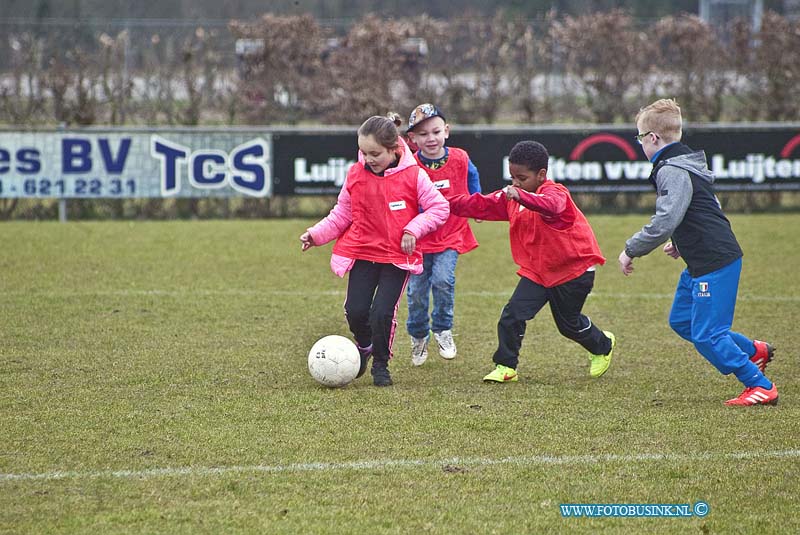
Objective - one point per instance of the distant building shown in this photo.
(791, 9)
(720, 14)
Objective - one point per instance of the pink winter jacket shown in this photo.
(436, 211)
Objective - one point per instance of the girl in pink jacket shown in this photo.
(376, 223)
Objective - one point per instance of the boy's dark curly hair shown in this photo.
(531, 154)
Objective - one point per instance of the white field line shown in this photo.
(399, 464)
(312, 293)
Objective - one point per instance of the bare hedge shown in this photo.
(600, 67)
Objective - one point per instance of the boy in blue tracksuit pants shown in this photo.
(688, 212)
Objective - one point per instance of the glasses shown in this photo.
(640, 137)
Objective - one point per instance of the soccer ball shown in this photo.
(334, 361)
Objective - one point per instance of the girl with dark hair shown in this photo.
(376, 223)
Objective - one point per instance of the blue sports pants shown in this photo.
(702, 313)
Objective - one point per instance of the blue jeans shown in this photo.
(439, 278)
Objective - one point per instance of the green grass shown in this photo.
(126, 348)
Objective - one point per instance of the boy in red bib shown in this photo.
(556, 251)
(452, 173)
(378, 220)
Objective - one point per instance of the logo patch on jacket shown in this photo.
(441, 184)
(397, 205)
(704, 289)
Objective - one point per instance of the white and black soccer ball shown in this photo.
(334, 361)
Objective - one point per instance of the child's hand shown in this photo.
(409, 243)
(511, 193)
(625, 263)
(671, 250)
(307, 241)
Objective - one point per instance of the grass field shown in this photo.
(153, 380)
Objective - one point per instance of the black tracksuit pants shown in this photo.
(566, 301)
(373, 294)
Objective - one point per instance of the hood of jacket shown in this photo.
(406, 158)
(692, 161)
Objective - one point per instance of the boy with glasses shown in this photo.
(689, 215)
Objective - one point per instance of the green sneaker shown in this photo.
(502, 374)
(600, 363)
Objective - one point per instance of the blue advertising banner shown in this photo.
(125, 164)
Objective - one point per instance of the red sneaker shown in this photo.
(756, 396)
(764, 353)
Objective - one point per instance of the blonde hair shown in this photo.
(385, 129)
(662, 117)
